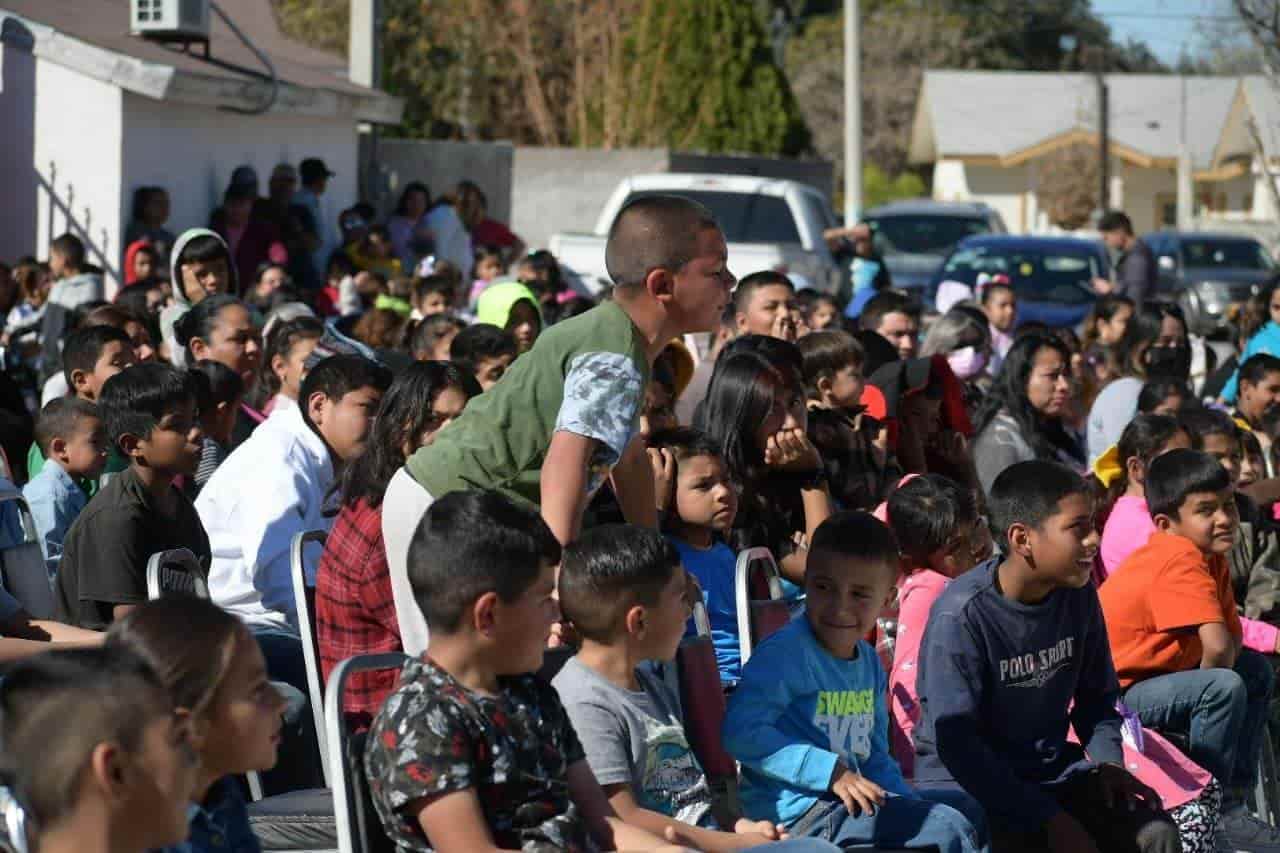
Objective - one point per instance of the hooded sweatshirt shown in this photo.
(180, 306)
(497, 300)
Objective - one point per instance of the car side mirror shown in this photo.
(1166, 263)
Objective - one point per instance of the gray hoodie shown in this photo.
(181, 304)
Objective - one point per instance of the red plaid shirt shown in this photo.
(355, 613)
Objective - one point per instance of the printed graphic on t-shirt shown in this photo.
(672, 782)
(1036, 669)
(847, 716)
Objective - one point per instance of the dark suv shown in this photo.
(1207, 273)
(915, 237)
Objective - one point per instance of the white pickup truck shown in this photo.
(769, 224)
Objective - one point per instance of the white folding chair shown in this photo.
(175, 571)
(23, 572)
(354, 820)
(758, 618)
(304, 602)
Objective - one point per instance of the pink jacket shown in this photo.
(1176, 778)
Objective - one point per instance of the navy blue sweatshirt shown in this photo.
(996, 678)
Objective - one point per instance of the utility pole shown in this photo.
(1104, 139)
(364, 58)
(1186, 184)
(852, 116)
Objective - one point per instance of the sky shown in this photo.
(1167, 26)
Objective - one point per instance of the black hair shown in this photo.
(59, 419)
(473, 542)
(1104, 309)
(1256, 367)
(1008, 393)
(203, 249)
(141, 196)
(984, 294)
(1029, 493)
(609, 570)
(427, 284)
(404, 414)
(1142, 333)
(71, 248)
(826, 353)
(478, 342)
(134, 299)
(201, 319)
(402, 206)
(84, 346)
(750, 284)
(884, 303)
(1115, 220)
(283, 338)
(546, 266)
(876, 349)
(855, 535)
(57, 707)
(1173, 476)
(339, 257)
(1144, 438)
(654, 232)
(927, 511)
(1202, 422)
(215, 383)
(339, 375)
(134, 401)
(1156, 391)
(430, 330)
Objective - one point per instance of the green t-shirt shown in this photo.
(585, 375)
(115, 464)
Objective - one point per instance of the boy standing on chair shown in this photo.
(625, 592)
(151, 419)
(472, 751)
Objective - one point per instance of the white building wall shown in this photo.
(191, 151)
(76, 159)
(950, 183)
(1007, 190)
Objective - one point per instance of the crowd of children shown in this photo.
(1033, 581)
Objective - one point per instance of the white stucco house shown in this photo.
(91, 112)
(986, 134)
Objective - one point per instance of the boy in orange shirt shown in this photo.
(1176, 638)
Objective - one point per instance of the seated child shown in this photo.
(809, 721)
(484, 351)
(93, 754)
(276, 485)
(1014, 652)
(215, 674)
(286, 349)
(90, 357)
(765, 304)
(1128, 525)
(73, 442)
(150, 415)
(219, 392)
(624, 591)
(1176, 637)
(938, 524)
(432, 295)
(472, 751)
(700, 503)
(513, 308)
(489, 265)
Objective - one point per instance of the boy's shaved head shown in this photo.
(654, 232)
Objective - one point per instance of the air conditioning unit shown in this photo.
(170, 20)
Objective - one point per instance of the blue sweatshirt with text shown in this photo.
(797, 710)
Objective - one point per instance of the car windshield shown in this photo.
(744, 217)
(924, 234)
(1061, 275)
(1231, 254)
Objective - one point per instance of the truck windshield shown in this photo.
(1234, 254)
(744, 217)
(908, 234)
(1038, 274)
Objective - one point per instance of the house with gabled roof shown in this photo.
(986, 136)
(92, 112)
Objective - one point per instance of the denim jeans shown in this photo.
(1222, 712)
(949, 820)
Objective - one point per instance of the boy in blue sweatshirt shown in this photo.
(1015, 651)
(809, 723)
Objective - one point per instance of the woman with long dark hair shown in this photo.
(1155, 346)
(355, 608)
(755, 411)
(1021, 417)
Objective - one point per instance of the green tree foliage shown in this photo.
(878, 188)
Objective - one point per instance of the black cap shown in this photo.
(313, 169)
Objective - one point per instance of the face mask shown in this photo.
(1169, 363)
(967, 363)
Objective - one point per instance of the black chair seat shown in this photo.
(298, 820)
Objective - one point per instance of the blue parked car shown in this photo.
(1052, 276)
